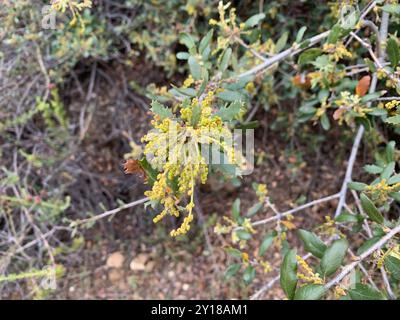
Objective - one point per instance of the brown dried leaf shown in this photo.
(132, 166)
(363, 86)
(302, 81)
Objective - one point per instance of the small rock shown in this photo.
(115, 275)
(139, 263)
(115, 260)
(185, 287)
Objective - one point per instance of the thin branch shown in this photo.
(110, 212)
(362, 257)
(291, 211)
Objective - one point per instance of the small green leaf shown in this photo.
(365, 292)
(370, 209)
(373, 169)
(300, 34)
(160, 110)
(312, 243)
(249, 274)
(392, 8)
(288, 274)
(205, 41)
(254, 209)
(392, 265)
(346, 217)
(254, 20)
(390, 151)
(226, 57)
(372, 96)
(395, 179)
(334, 35)
(393, 52)
(395, 120)
(230, 112)
(182, 55)
(389, 169)
(358, 186)
(187, 40)
(266, 243)
(195, 68)
(281, 43)
(368, 244)
(232, 270)
(310, 292)
(243, 235)
(325, 122)
(333, 257)
(234, 253)
(309, 56)
(236, 210)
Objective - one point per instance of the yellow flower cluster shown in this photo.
(173, 148)
(394, 104)
(262, 192)
(308, 275)
(337, 51)
(380, 191)
(74, 6)
(350, 102)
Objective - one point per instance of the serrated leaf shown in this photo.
(365, 292)
(232, 270)
(266, 243)
(370, 209)
(254, 20)
(312, 243)
(393, 120)
(333, 257)
(288, 274)
(393, 52)
(230, 112)
(160, 110)
(310, 292)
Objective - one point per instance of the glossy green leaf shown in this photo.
(312, 243)
(333, 257)
(310, 292)
(370, 209)
(288, 274)
(365, 292)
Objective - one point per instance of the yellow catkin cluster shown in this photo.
(381, 190)
(172, 148)
(262, 192)
(308, 275)
(337, 51)
(390, 106)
